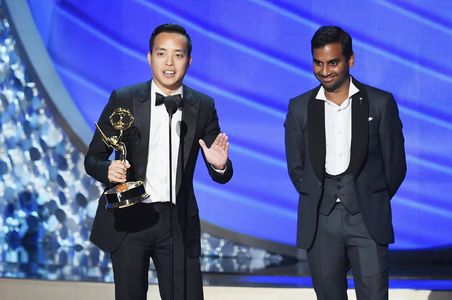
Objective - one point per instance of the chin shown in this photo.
(330, 87)
(172, 86)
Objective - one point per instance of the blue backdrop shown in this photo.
(252, 56)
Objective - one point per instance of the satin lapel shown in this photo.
(316, 134)
(187, 132)
(360, 129)
(142, 114)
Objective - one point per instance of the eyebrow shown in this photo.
(164, 49)
(329, 61)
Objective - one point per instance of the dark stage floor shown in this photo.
(429, 270)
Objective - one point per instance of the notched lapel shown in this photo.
(360, 129)
(316, 137)
(187, 131)
(142, 114)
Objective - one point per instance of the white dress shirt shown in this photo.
(338, 131)
(157, 170)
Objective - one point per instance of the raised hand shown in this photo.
(217, 154)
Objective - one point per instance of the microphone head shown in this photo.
(172, 103)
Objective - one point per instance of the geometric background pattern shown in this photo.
(47, 202)
(252, 56)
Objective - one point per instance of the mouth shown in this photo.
(169, 73)
(327, 79)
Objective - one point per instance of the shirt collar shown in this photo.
(352, 90)
(156, 89)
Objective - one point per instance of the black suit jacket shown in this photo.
(199, 121)
(377, 158)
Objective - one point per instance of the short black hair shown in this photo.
(332, 34)
(170, 28)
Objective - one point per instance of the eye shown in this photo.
(334, 63)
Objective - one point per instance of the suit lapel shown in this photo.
(142, 114)
(190, 113)
(316, 136)
(360, 129)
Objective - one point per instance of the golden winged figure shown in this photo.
(121, 119)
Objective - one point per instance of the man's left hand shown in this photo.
(217, 154)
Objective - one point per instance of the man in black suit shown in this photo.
(135, 234)
(346, 158)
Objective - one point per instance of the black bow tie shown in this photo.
(160, 99)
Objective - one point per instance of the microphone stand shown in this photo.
(172, 103)
(171, 209)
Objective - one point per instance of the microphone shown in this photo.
(172, 103)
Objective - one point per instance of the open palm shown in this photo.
(217, 154)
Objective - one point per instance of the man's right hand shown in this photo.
(117, 171)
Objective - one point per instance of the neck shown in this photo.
(340, 94)
(168, 91)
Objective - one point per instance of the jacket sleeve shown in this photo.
(295, 146)
(211, 132)
(97, 158)
(392, 145)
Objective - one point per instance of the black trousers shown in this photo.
(342, 241)
(149, 237)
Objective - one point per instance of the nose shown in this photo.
(169, 60)
(325, 71)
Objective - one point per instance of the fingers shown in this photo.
(117, 171)
(221, 140)
(127, 164)
(226, 148)
(203, 145)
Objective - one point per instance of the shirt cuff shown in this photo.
(220, 171)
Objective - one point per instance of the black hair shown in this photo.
(170, 28)
(332, 34)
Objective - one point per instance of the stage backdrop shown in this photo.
(252, 56)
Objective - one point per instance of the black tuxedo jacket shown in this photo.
(199, 121)
(377, 158)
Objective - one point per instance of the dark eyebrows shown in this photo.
(177, 51)
(164, 49)
(334, 60)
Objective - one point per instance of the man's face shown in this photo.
(331, 67)
(169, 61)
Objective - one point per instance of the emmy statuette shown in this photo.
(128, 193)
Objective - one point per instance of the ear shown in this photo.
(189, 60)
(149, 58)
(351, 61)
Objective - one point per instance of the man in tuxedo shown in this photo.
(346, 158)
(137, 233)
